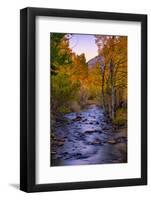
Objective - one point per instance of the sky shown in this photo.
(82, 43)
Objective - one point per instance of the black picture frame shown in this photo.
(28, 98)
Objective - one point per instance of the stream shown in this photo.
(88, 137)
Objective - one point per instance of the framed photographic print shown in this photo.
(83, 95)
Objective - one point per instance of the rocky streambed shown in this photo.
(88, 137)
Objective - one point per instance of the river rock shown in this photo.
(121, 139)
(60, 143)
(105, 128)
(53, 152)
(111, 141)
(78, 118)
(97, 141)
(84, 120)
(89, 131)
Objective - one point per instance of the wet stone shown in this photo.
(121, 139)
(89, 131)
(111, 141)
(96, 142)
(53, 152)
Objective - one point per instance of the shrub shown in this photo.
(63, 91)
(121, 117)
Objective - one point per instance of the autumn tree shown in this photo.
(114, 74)
(68, 75)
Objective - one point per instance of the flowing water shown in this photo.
(88, 137)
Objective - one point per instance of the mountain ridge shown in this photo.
(97, 59)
